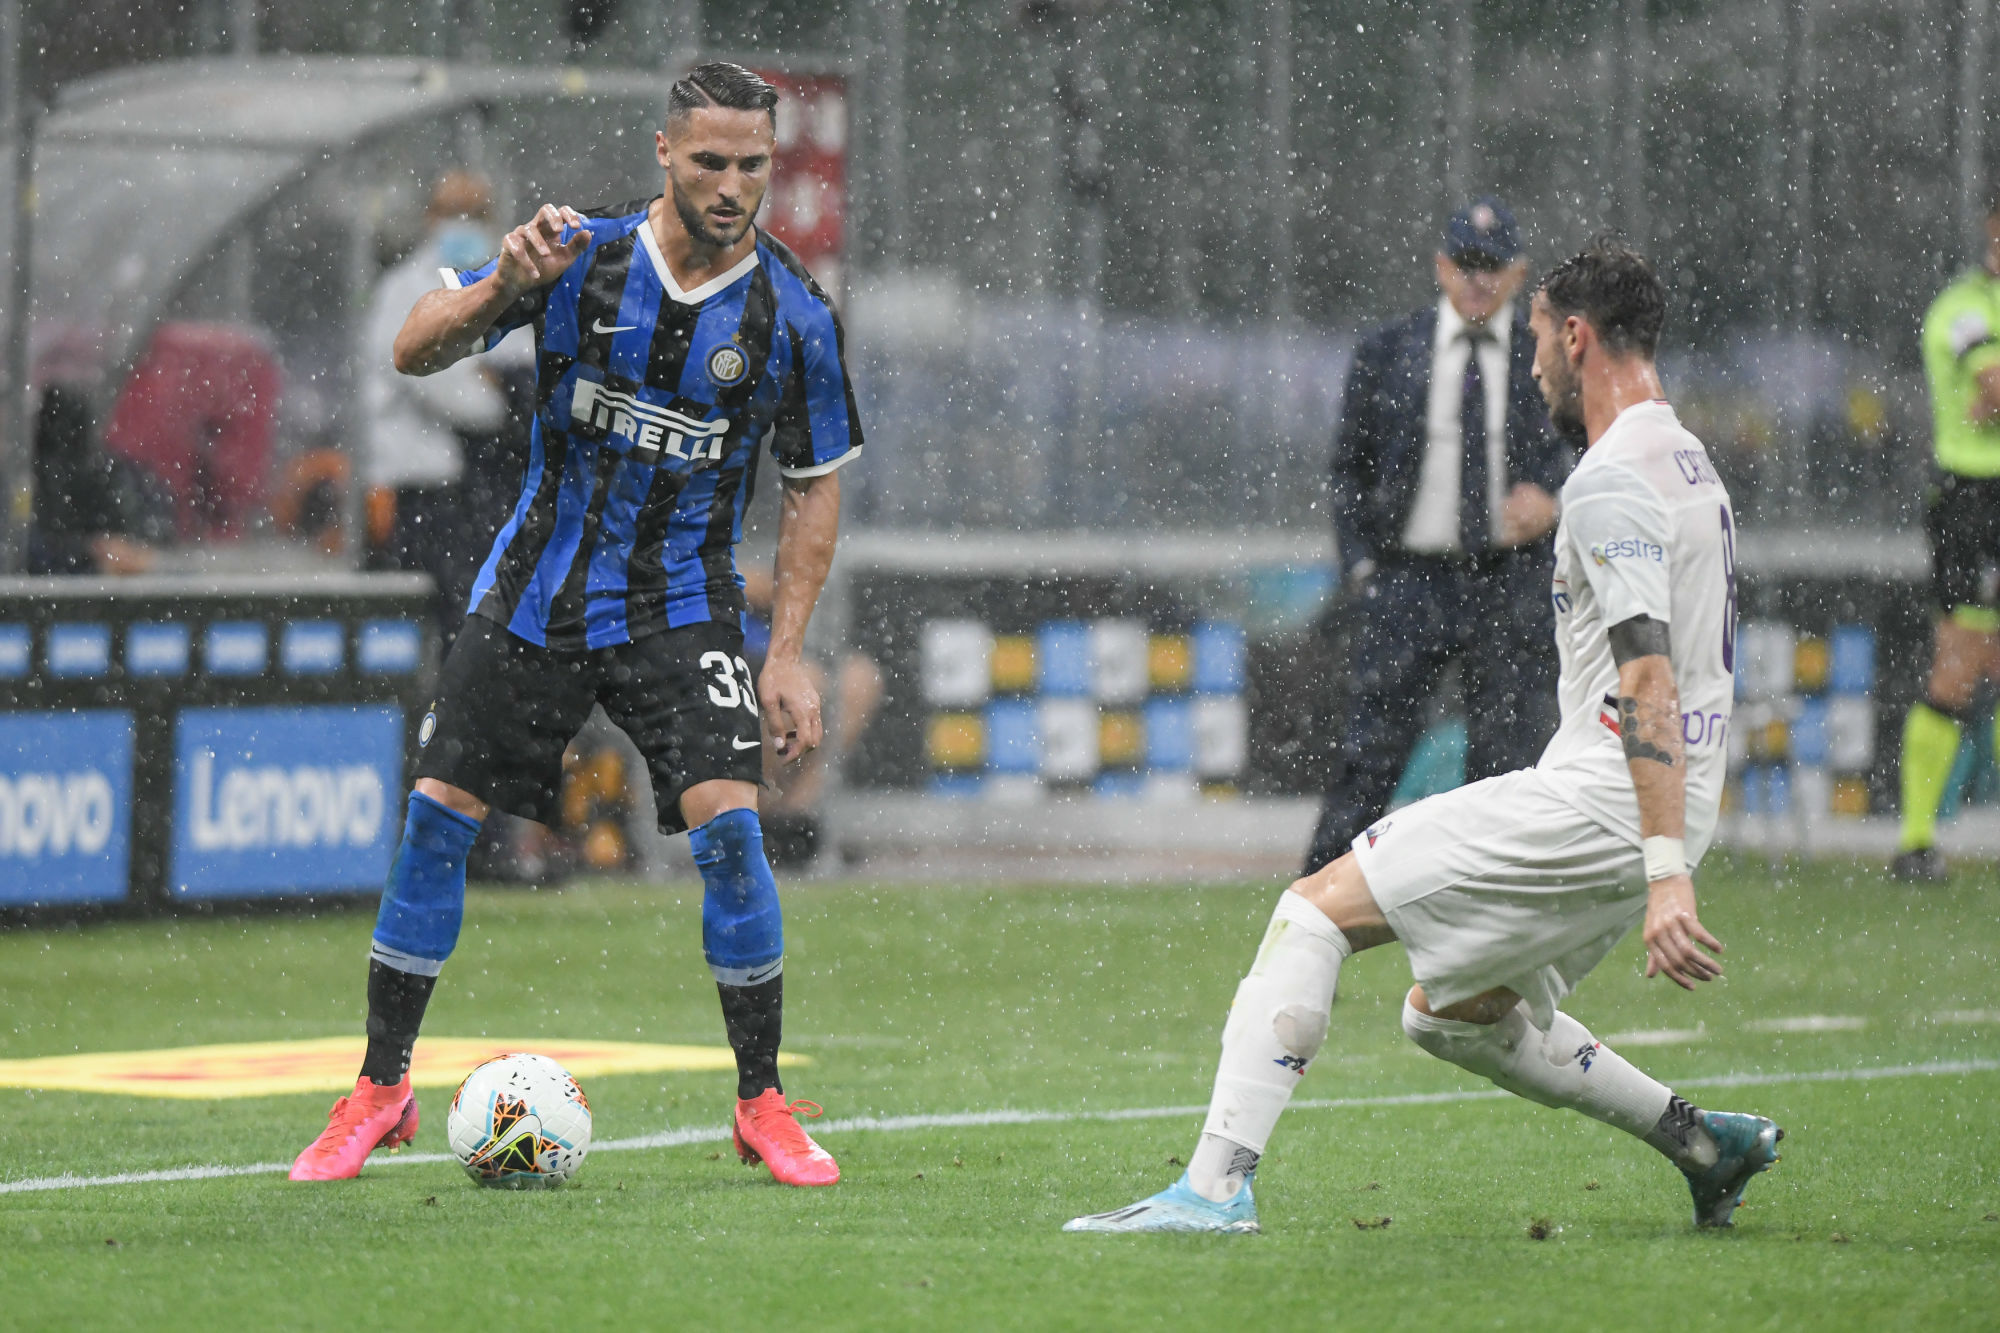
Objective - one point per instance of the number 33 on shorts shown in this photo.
(725, 691)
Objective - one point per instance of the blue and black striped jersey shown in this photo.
(650, 405)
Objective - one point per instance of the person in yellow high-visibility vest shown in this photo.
(1961, 346)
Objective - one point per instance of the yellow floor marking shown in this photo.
(327, 1064)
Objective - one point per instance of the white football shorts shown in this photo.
(1502, 883)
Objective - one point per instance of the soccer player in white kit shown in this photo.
(1507, 892)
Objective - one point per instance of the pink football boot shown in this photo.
(767, 1133)
(368, 1118)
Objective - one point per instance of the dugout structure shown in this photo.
(203, 150)
(266, 184)
(271, 192)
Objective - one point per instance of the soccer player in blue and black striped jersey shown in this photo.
(673, 339)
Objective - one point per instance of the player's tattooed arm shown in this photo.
(1649, 724)
(1638, 728)
(1651, 727)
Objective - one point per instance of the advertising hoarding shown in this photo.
(65, 807)
(271, 801)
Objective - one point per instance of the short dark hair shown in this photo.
(1614, 289)
(720, 83)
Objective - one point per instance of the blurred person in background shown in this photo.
(426, 433)
(1445, 473)
(95, 513)
(1961, 347)
(199, 415)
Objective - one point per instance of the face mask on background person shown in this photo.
(463, 244)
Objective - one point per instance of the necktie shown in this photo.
(1475, 525)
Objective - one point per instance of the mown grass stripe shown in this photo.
(674, 1138)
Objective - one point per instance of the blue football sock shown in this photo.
(423, 903)
(742, 927)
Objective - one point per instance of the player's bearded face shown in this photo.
(1562, 387)
(718, 222)
(1564, 391)
(719, 167)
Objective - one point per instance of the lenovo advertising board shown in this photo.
(65, 807)
(280, 801)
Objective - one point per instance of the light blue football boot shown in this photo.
(1746, 1144)
(1176, 1208)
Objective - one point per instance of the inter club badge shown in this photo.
(726, 364)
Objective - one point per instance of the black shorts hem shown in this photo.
(506, 711)
(667, 803)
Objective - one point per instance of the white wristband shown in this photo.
(1665, 857)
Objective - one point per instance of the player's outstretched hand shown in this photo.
(1674, 935)
(535, 254)
(790, 708)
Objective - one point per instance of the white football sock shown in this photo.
(1564, 1066)
(1276, 1026)
(1218, 1168)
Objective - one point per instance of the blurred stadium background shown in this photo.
(1102, 265)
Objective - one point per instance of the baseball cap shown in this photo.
(1482, 232)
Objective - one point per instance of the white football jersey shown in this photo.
(1646, 531)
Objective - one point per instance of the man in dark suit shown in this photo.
(1445, 473)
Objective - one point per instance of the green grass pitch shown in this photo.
(941, 999)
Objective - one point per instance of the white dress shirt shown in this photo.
(413, 420)
(1433, 524)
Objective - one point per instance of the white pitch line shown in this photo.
(1657, 1037)
(69, 1182)
(674, 1138)
(1843, 1075)
(1808, 1023)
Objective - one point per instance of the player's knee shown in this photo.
(455, 799)
(423, 903)
(1321, 887)
(1340, 894)
(742, 926)
(1512, 1053)
(1481, 1048)
(1952, 699)
(1950, 688)
(1430, 1033)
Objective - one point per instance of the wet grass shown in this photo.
(941, 999)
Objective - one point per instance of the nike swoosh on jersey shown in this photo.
(738, 744)
(599, 326)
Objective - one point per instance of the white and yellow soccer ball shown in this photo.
(519, 1122)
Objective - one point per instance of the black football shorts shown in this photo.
(506, 709)
(1964, 523)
